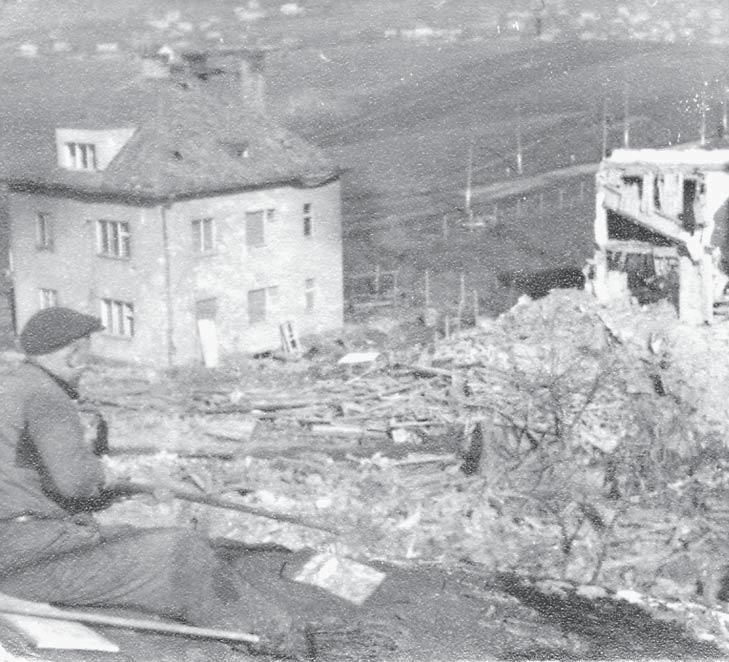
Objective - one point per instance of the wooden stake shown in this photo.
(377, 280)
(475, 307)
(133, 488)
(427, 288)
(445, 227)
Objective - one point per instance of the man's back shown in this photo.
(41, 446)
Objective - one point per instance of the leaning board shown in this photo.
(51, 632)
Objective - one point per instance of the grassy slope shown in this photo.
(400, 117)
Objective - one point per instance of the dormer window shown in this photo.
(89, 150)
(81, 156)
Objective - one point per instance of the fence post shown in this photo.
(447, 326)
(377, 281)
(445, 226)
(541, 202)
(496, 211)
(394, 285)
(561, 198)
(475, 308)
(427, 288)
(582, 190)
(518, 207)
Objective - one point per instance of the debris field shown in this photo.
(563, 465)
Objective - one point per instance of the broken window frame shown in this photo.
(117, 317)
(113, 239)
(44, 232)
(47, 298)
(203, 235)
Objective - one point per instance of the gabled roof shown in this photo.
(189, 141)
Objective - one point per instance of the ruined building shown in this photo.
(156, 194)
(661, 228)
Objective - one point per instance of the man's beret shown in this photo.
(51, 329)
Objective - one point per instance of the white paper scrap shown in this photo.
(344, 578)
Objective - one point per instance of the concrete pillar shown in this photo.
(690, 291)
(601, 228)
(707, 287)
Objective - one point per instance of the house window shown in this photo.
(117, 317)
(309, 294)
(113, 238)
(307, 219)
(48, 298)
(203, 235)
(260, 303)
(44, 232)
(81, 156)
(254, 228)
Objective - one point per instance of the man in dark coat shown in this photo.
(51, 548)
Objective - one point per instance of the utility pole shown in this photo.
(519, 161)
(626, 118)
(702, 129)
(604, 128)
(469, 183)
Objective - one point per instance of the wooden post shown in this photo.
(582, 190)
(462, 292)
(604, 128)
(519, 159)
(561, 198)
(518, 207)
(475, 308)
(702, 128)
(445, 226)
(496, 211)
(377, 281)
(427, 288)
(394, 285)
(626, 119)
(541, 202)
(447, 326)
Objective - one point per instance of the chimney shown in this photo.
(252, 82)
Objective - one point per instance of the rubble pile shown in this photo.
(562, 439)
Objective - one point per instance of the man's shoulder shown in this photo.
(20, 379)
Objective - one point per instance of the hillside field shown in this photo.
(400, 118)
